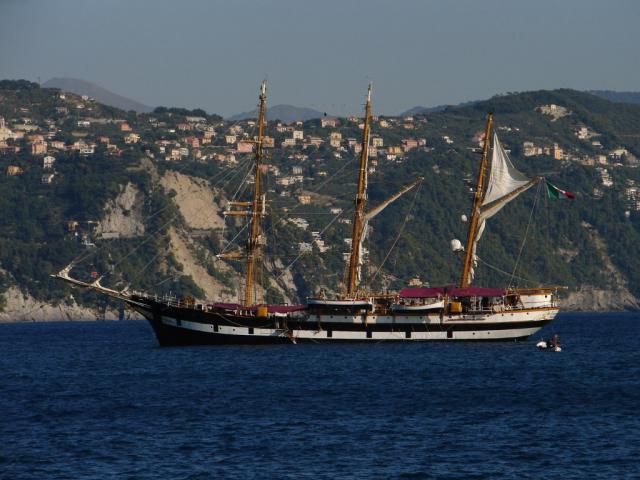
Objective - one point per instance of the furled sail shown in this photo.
(505, 183)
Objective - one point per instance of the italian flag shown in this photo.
(555, 192)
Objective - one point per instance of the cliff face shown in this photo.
(592, 299)
(123, 215)
(197, 202)
(22, 307)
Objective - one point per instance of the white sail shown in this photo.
(504, 178)
(505, 183)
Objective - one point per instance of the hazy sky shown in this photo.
(213, 54)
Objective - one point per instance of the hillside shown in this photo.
(138, 198)
(100, 94)
(622, 97)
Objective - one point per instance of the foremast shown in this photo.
(257, 208)
(477, 202)
(351, 280)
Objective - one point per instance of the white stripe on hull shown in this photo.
(359, 335)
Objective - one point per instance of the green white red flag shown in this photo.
(556, 193)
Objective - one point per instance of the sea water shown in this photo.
(103, 400)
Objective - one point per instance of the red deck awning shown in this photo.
(434, 292)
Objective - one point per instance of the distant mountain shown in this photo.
(418, 110)
(284, 113)
(621, 97)
(102, 95)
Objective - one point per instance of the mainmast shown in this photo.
(477, 202)
(257, 208)
(360, 202)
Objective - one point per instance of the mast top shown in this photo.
(369, 92)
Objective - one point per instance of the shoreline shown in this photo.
(112, 316)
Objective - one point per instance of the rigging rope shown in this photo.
(284, 270)
(499, 270)
(393, 245)
(526, 233)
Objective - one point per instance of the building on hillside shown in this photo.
(131, 138)
(304, 247)
(192, 141)
(313, 141)
(329, 122)
(13, 170)
(124, 127)
(5, 132)
(298, 134)
(409, 144)
(304, 199)
(335, 139)
(618, 153)
(558, 154)
(377, 142)
(47, 178)
(268, 142)
(244, 147)
(190, 119)
(38, 148)
(394, 150)
(48, 161)
(230, 139)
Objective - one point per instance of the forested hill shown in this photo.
(137, 199)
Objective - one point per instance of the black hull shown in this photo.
(169, 336)
(179, 326)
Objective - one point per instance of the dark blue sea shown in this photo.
(104, 401)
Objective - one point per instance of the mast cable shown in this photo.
(526, 232)
(400, 231)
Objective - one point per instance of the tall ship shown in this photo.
(460, 312)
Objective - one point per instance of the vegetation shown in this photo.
(566, 243)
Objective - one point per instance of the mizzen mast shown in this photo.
(350, 282)
(477, 202)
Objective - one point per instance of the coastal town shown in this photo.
(75, 126)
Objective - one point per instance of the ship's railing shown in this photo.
(170, 300)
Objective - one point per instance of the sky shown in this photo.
(213, 54)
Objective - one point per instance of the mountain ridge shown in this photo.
(283, 112)
(100, 94)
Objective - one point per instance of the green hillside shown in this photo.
(593, 241)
